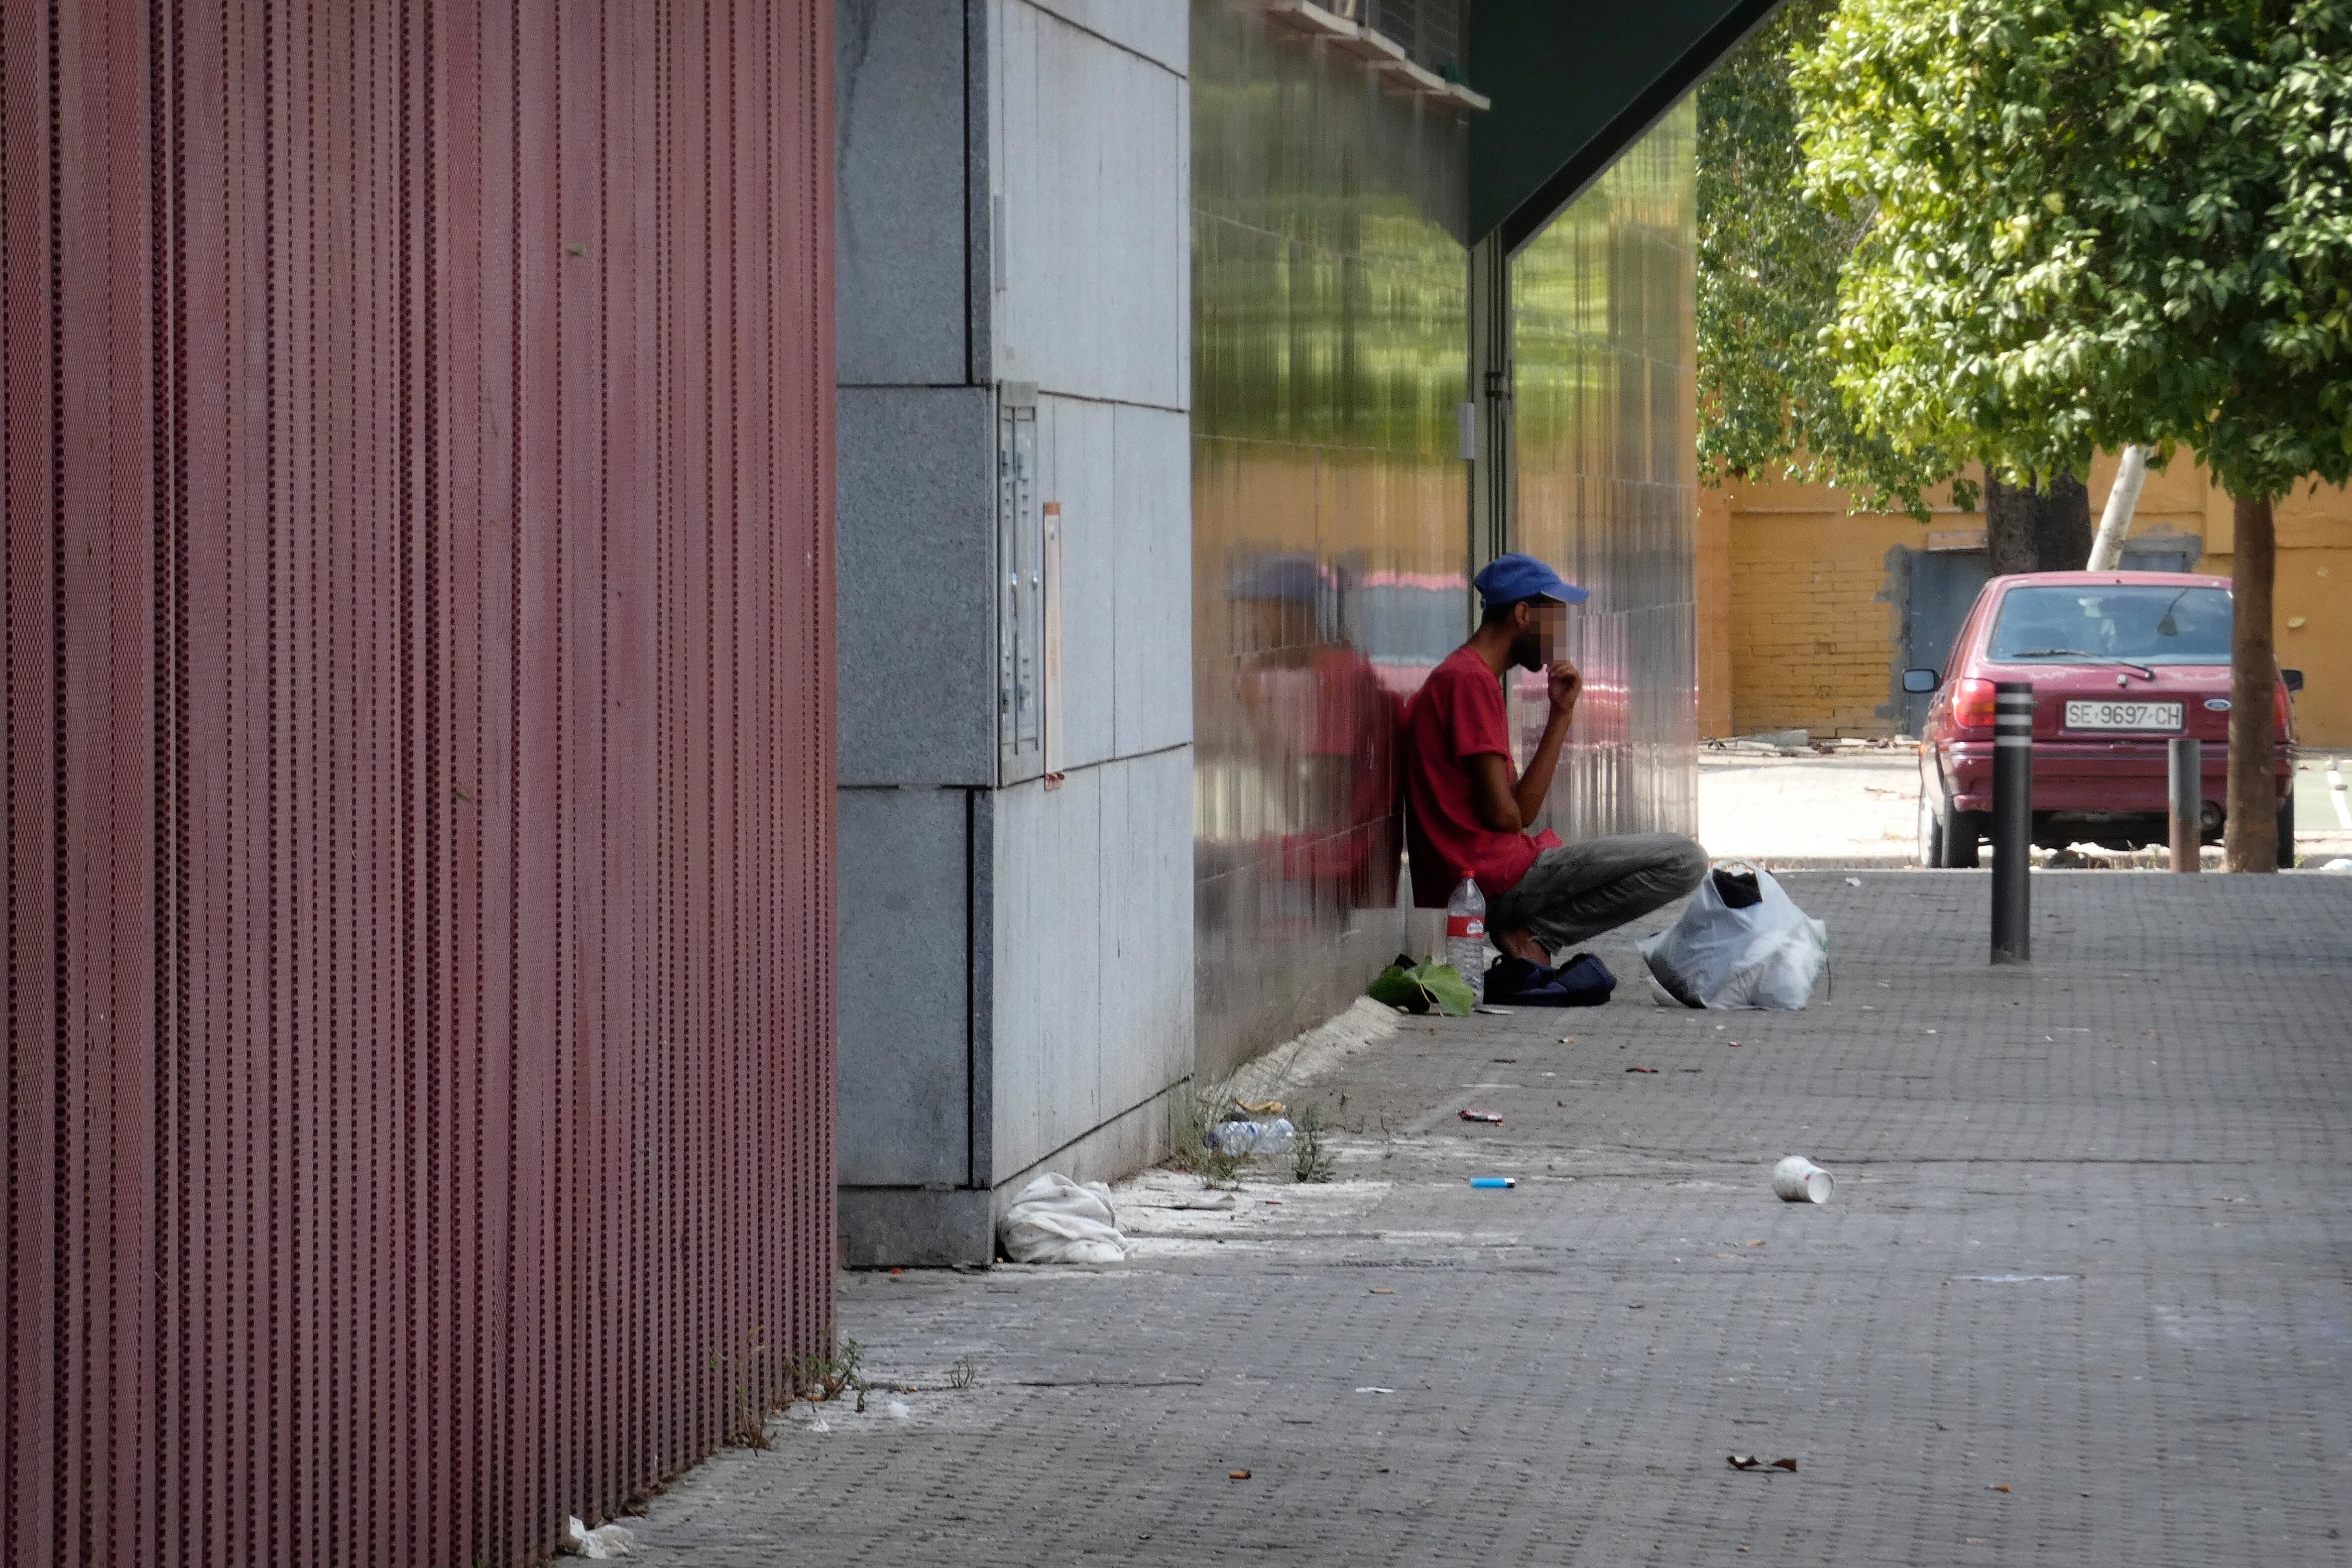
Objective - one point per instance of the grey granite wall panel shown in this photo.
(892, 1227)
(905, 1007)
(901, 300)
(917, 563)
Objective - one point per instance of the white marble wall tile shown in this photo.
(1159, 30)
(1093, 1012)
(1152, 552)
(1077, 445)
(1047, 1041)
(1146, 860)
(1090, 147)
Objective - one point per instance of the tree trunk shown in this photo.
(2037, 530)
(2123, 497)
(2250, 837)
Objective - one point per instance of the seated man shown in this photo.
(1466, 813)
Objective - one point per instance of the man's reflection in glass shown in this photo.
(1323, 726)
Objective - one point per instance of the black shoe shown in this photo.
(1584, 981)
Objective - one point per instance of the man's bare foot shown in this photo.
(1520, 942)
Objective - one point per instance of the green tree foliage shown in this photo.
(2094, 222)
(2100, 222)
(1768, 264)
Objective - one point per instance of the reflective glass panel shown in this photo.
(1330, 504)
(1606, 487)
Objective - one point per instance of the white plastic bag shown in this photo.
(1766, 955)
(605, 1541)
(1055, 1220)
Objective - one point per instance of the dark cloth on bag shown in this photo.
(1737, 887)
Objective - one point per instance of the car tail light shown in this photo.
(2281, 712)
(1973, 704)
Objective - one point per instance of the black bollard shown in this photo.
(2013, 821)
(2187, 760)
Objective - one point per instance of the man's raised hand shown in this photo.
(1565, 682)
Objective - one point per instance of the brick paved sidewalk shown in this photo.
(2090, 1244)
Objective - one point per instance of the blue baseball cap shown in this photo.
(1295, 579)
(1511, 578)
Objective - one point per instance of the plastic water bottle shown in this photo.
(1273, 1137)
(1466, 935)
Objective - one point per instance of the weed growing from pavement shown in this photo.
(1195, 1115)
(1310, 1157)
(823, 1375)
(964, 1373)
(746, 1406)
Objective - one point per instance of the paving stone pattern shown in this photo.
(2090, 1243)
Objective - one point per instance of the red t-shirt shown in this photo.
(1458, 714)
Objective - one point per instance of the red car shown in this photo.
(2121, 662)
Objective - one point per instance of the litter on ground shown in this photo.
(1057, 1220)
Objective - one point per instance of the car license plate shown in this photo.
(2122, 716)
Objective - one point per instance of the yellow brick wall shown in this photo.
(1713, 597)
(1812, 638)
(2314, 635)
(1808, 632)
(2312, 600)
(1814, 626)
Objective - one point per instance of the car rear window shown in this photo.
(2144, 623)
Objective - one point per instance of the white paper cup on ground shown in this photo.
(1798, 1180)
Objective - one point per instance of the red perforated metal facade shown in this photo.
(418, 493)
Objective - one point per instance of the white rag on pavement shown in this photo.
(1057, 1220)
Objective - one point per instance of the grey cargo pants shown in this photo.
(1575, 891)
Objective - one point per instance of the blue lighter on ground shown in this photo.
(1493, 1181)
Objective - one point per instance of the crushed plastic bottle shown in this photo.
(1466, 936)
(1252, 1138)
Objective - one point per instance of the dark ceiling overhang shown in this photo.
(1575, 83)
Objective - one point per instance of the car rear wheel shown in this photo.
(2286, 833)
(1961, 830)
(1948, 837)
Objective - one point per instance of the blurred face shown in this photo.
(1542, 635)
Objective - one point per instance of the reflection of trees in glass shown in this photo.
(1329, 287)
(1606, 481)
(1330, 347)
